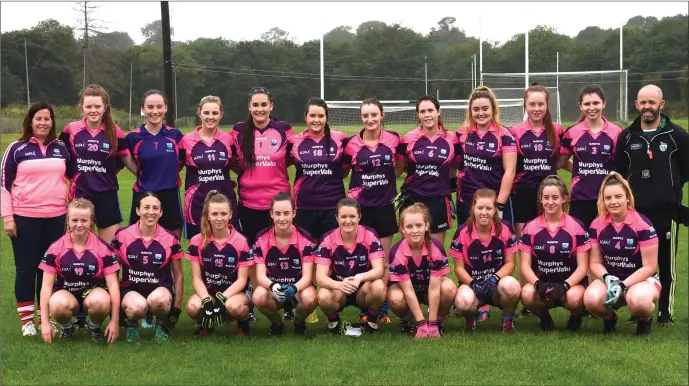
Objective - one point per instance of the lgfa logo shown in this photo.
(663, 146)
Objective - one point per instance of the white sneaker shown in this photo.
(28, 329)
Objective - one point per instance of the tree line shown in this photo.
(375, 60)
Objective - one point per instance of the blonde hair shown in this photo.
(420, 208)
(614, 179)
(210, 99)
(552, 180)
(478, 93)
(82, 203)
(213, 197)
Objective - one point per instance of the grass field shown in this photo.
(486, 356)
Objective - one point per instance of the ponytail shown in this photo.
(484, 193)
(213, 197)
(420, 208)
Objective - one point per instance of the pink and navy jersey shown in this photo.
(75, 271)
(220, 262)
(428, 161)
(346, 262)
(482, 159)
(258, 185)
(404, 267)
(593, 157)
(158, 158)
(621, 245)
(146, 264)
(208, 168)
(373, 169)
(536, 156)
(483, 258)
(318, 182)
(284, 265)
(554, 253)
(34, 179)
(93, 163)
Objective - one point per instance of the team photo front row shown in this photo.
(286, 248)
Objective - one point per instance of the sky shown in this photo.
(309, 20)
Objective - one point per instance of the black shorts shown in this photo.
(421, 295)
(252, 221)
(439, 208)
(524, 205)
(350, 300)
(316, 222)
(107, 206)
(584, 211)
(383, 220)
(171, 205)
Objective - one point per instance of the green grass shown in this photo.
(485, 357)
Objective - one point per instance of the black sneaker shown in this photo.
(547, 323)
(644, 328)
(67, 333)
(609, 325)
(276, 329)
(96, 335)
(300, 327)
(524, 313)
(244, 327)
(368, 327)
(574, 322)
(288, 315)
(406, 327)
(665, 321)
(632, 319)
(81, 322)
(251, 318)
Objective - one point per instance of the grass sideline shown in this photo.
(485, 357)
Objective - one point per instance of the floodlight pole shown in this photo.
(425, 70)
(622, 102)
(167, 63)
(480, 50)
(131, 72)
(26, 64)
(526, 59)
(322, 71)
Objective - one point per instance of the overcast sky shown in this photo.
(308, 20)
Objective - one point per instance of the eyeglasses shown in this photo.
(260, 90)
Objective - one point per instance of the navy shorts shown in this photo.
(252, 221)
(383, 220)
(350, 300)
(584, 211)
(171, 205)
(107, 206)
(524, 204)
(316, 222)
(439, 208)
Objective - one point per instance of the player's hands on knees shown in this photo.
(541, 289)
(348, 287)
(476, 287)
(112, 331)
(489, 285)
(555, 291)
(276, 289)
(11, 229)
(207, 313)
(47, 332)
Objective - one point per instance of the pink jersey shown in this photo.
(481, 160)
(593, 157)
(220, 262)
(346, 262)
(34, 181)
(536, 156)
(208, 168)
(404, 267)
(483, 258)
(146, 265)
(554, 253)
(258, 185)
(75, 271)
(373, 169)
(318, 181)
(284, 265)
(93, 163)
(621, 245)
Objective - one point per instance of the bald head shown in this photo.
(650, 91)
(649, 102)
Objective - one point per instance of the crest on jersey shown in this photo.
(230, 259)
(56, 151)
(169, 145)
(92, 268)
(630, 242)
(158, 256)
(273, 142)
(443, 151)
(491, 145)
(565, 245)
(606, 147)
(222, 153)
(663, 146)
(387, 157)
(362, 258)
(295, 261)
(106, 146)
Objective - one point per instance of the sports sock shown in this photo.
(25, 311)
(440, 320)
(384, 309)
(645, 320)
(333, 317)
(67, 325)
(507, 315)
(609, 315)
(406, 317)
(372, 315)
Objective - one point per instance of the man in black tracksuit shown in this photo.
(653, 155)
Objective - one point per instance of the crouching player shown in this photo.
(418, 266)
(220, 260)
(152, 277)
(554, 257)
(76, 267)
(284, 257)
(624, 258)
(484, 250)
(350, 269)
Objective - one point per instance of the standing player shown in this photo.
(76, 267)
(624, 258)
(427, 155)
(220, 262)
(262, 143)
(350, 269)
(653, 155)
(155, 148)
(210, 152)
(97, 149)
(317, 155)
(554, 257)
(34, 198)
(152, 278)
(418, 270)
(484, 250)
(284, 257)
(592, 142)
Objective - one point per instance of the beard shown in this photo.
(655, 114)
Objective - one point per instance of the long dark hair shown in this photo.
(375, 102)
(550, 133)
(27, 128)
(435, 102)
(590, 89)
(94, 90)
(248, 127)
(314, 101)
(552, 180)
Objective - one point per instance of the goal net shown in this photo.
(564, 90)
(400, 116)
